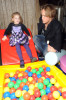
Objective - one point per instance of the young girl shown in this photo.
(17, 37)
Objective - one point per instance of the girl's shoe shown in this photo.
(22, 63)
(33, 59)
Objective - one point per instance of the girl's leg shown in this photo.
(18, 49)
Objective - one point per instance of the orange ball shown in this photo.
(24, 74)
(12, 90)
(22, 84)
(17, 72)
(44, 97)
(7, 75)
(44, 87)
(44, 67)
(33, 82)
(26, 96)
(60, 89)
(53, 99)
(40, 80)
(36, 88)
(28, 83)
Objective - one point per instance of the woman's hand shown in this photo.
(51, 49)
(29, 37)
(4, 38)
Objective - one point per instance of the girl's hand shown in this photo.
(51, 49)
(29, 37)
(4, 38)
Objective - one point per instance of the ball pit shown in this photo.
(32, 84)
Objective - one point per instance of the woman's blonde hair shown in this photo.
(50, 10)
(17, 13)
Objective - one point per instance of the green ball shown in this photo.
(10, 84)
(33, 70)
(16, 86)
(43, 92)
(41, 69)
(38, 98)
(40, 85)
(46, 82)
(38, 72)
(49, 85)
(24, 80)
(21, 98)
(18, 81)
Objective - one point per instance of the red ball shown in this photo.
(26, 76)
(29, 68)
(7, 75)
(43, 73)
(53, 88)
(44, 97)
(6, 85)
(14, 99)
(34, 75)
(44, 67)
(35, 78)
(50, 95)
(17, 72)
(14, 82)
(46, 76)
(64, 94)
(15, 76)
(37, 93)
(36, 69)
(51, 76)
(32, 97)
(26, 96)
(19, 88)
(21, 77)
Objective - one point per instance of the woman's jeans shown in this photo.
(40, 43)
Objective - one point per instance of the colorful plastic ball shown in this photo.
(33, 82)
(41, 69)
(53, 88)
(47, 69)
(48, 79)
(56, 94)
(6, 89)
(34, 75)
(40, 85)
(26, 96)
(31, 92)
(64, 94)
(11, 74)
(43, 92)
(19, 88)
(50, 96)
(51, 76)
(31, 86)
(14, 82)
(49, 85)
(40, 80)
(48, 90)
(36, 69)
(57, 84)
(59, 92)
(44, 87)
(22, 84)
(7, 75)
(63, 89)
(36, 85)
(13, 79)
(46, 82)
(33, 71)
(44, 67)
(21, 98)
(48, 73)
(38, 98)
(26, 71)
(6, 85)
(61, 98)
(18, 93)
(21, 77)
(38, 72)
(16, 86)
(29, 68)
(7, 80)
(18, 81)
(26, 88)
(7, 98)
(15, 76)
(25, 74)
(23, 92)
(17, 72)
(35, 78)
(53, 81)
(46, 76)
(39, 76)
(27, 83)
(32, 97)
(12, 90)
(44, 97)
(30, 79)
(30, 74)
(43, 73)
(20, 74)
(36, 88)
(24, 80)
(60, 89)
(12, 96)
(6, 94)
(37, 93)
(10, 84)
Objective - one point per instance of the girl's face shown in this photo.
(16, 19)
(45, 19)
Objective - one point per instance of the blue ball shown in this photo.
(6, 94)
(30, 74)
(26, 71)
(48, 90)
(12, 96)
(59, 92)
(39, 76)
(13, 79)
(48, 79)
(26, 88)
(47, 69)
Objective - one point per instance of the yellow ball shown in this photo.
(7, 80)
(18, 93)
(53, 80)
(23, 92)
(57, 84)
(48, 73)
(7, 98)
(63, 89)
(30, 79)
(56, 94)
(20, 74)
(36, 85)
(43, 78)
(31, 92)
(6, 89)
(11, 74)
(60, 98)
(31, 87)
